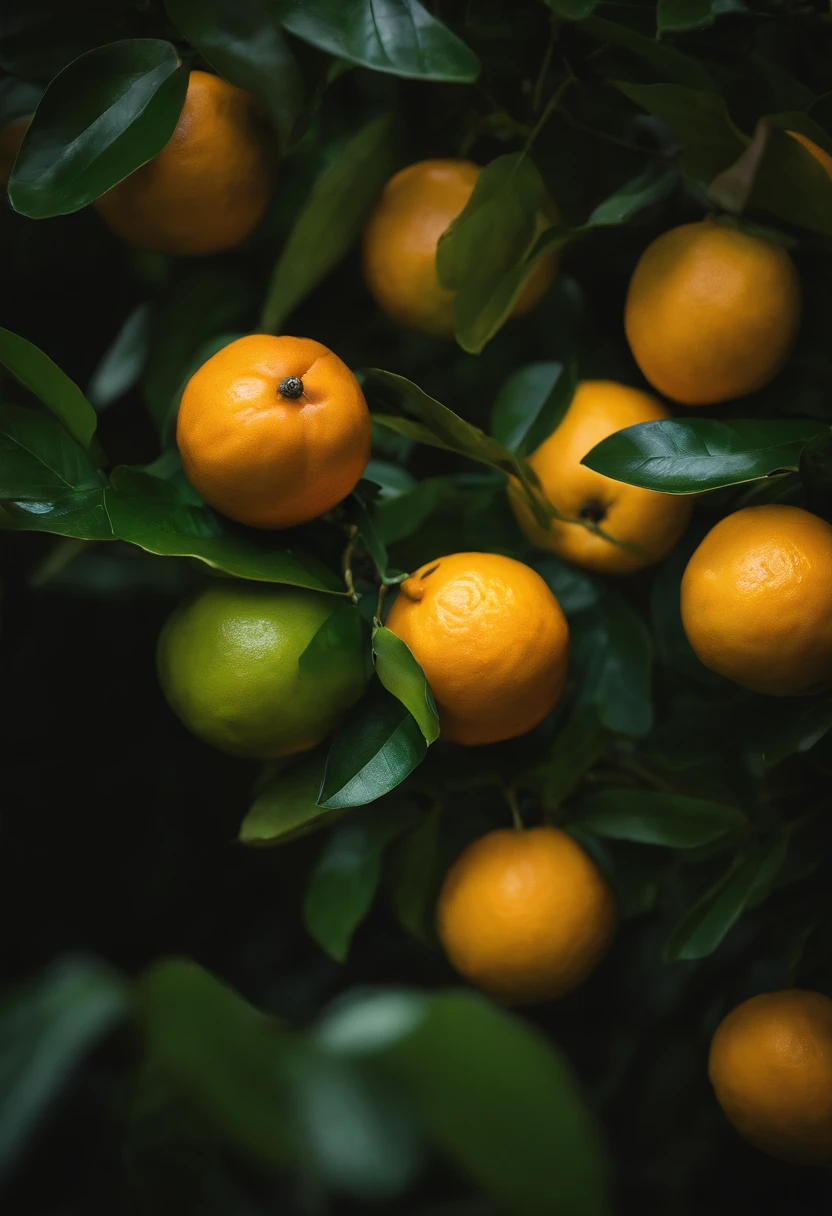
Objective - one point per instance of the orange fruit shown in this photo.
(712, 312)
(525, 915)
(11, 137)
(757, 599)
(273, 431)
(209, 186)
(492, 640)
(822, 157)
(771, 1069)
(400, 239)
(647, 524)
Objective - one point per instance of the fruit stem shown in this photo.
(514, 806)
(291, 387)
(381, 592)
(347, 563)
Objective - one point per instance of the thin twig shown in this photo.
(347, 563)
(514, 806)
(537, 95)
(552, 104)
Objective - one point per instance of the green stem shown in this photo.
(381, 593)
(347, 563)
(514, 806)
(552, 104)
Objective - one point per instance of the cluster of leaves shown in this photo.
(704, 803)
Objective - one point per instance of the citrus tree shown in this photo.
(415, 484)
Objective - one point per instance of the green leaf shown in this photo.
(398, 517)
(688, 455)
(287, 805)
(45, 380)
(369, 538)
(651, 186)
(157, 516)
(341, 631)
(649, 817)
(243, 41)
(531, 403)
(402, 676)
(668, 63)
(798, 729)
(46, 1026)
(226, 1056)
(79, 513)
(576, 747)
(375, 748)
(777, 175)
(495, 1096)
(706, 924)
(124, 361)
(39, 460)
(572, 10)
(699, 120)
(665, 610)
(395, 36)
(345, 880)
(415, 877)
(574, 589)
(110, 111)
(331, 219)
(612, 655)
(673, 16)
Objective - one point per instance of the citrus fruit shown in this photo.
(757, 599)
(771, 1069)
(492, 640)
(273, 431)
(647, 524)
(711, 312)
(209, 186)
(228, 666)
(11, 137)
(525, 915)
(400, 239)
(821, 156)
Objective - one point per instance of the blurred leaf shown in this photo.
(494, 1095)
(18, 98)
(331, 219)
(155, 515)
(243, 41)
(649, 817)
(399, 517)
(402, 676)
(46, 1026)
(392, 479)
(342, 630)
(39, 460)
(287, 805)
(124, 361)
(396, 36)
(576, 747)
(776, 174)
(612, 654)
(103, 116)
(531, 404)
(377, 745)
(415, 877)
(574, 589)
(675, 15)
(652, 185)
(370, 540)
(705, 925)
(699, 120)
(45, 380)
(227, 1056)
(345, 880)
(665, 60)
(572, 10)
(688, 455)
(666, 615)
(799, 728)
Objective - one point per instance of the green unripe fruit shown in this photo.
(228, 666)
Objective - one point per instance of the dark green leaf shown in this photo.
(345, 880)
(415, 877)
(675, 15)
(398, 517)
(341, 631)
(39, 460)
(370, 540)
(799, 728)
(705, 925)
(576, 747)
(46, 1026)
(225, 1055)
(155, 515)
(699, 120)
(396, 36)
(45, 380)
(243, 41)
(331, 219)
(79, 513)
(688, 455)
(124, 362)
(574, 589)
(651, 186)
(649, 817)
(531, 403)
(495, 1096)
(665, 610)
(668, 63)
(402, 676)
(287, 805)
(572, 10)
(612, 654)
(375, 748)
(109, 112)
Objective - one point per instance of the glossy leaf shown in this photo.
(700, 122)
(374, 749)
(46, 1026)
(287, 805)
(612, 656)
(79, 513)
(45, 380)
(706, 924)
(331, 219)
(649, 817)
(396, 36)
(39, 460)
(242, 39)
(402, 676)
(531, 403)
(102, 117)
(345, 880)
(124, 361)
(688, 455)
(496, 1097)
(341, 631)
